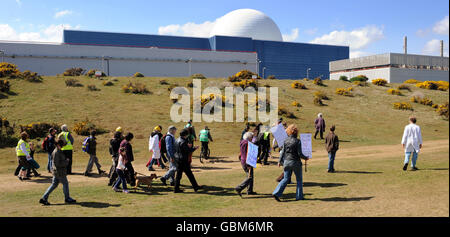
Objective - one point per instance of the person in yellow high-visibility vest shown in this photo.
(67, 149)
(23, 155)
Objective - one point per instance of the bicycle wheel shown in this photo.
(207, 155)
(201, 156)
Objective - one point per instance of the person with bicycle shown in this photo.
(205, 136)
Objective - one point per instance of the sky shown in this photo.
(367, 26)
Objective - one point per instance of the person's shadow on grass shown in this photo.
(90, 204)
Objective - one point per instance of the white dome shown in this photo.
(247, 23)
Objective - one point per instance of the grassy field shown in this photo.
(370, 183)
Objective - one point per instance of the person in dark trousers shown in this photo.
(68, 148)
(291, 159)
(23, 151)
(182, 151)
(169, 142)
(121, 165)
(246, 129)
(130, 158)
(264, 144)
(59, 170)
(50, 147)
(319, 124)
(92, 151)
(205, 137)
(248, 182)
(332, 145)
(114, 145)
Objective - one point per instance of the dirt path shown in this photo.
(11, 183)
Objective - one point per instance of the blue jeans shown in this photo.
(154, 161)
(55, 182)
(49, 164)
(121, 180)
(331, 156)
(414, 158)
(171, 173)
(287, 176)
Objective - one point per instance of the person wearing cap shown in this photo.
(170, 143)
(181, 155)
(319, 124)
(205, 136)
(153, 146)
(66, 136)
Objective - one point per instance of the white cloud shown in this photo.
(52, 33)
(433, 47)
(357, 39)
(292, 36)
(62, 13)
(441, 27)
(188, 29)
(358, 54)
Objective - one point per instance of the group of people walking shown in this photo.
(177, 152)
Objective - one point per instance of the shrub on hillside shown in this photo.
(85, 127)
(284, 112)
(394, 92)
(412, 81)
(242, 75)
(31, 76)
(246, 83)
(75, 71)
(171, 87)
(321, 95)
(298, 85)
(421, 100)
(4, 86)
(138, 74)
(317, 101)
(108, 83)
(305, 79)
(91, 73)
(198, 76)
(404, 87)
(434, 85)
(271, 77)
(6, 134)
(361, 83)
(163, 82)
(343, 78)
(92, 88)
(135, 88)
(379, 82)
(39, 129)
(296, 104)
(9, 70)
(206, 98)
(402, 106)
(318, 81)
(442, 110)
(345, 92)
(360, 78)
(73, 83)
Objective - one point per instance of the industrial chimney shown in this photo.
(405, 45)
(442, 48)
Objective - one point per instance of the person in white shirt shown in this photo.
(412, 143)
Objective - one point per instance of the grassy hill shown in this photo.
(366, 119)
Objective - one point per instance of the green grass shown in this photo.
(363, 120)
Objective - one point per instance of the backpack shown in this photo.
(162, 144)
(85, 146)
(45, 144)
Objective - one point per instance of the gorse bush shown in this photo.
(4, 85)
(402, 106)
(404, 87)
(343, 78)
(135, 88)
(31, 76)
(284, 112)
(361, 78)
(271, 77)
(298, 85)
(442, 110)
(39, 129)
(73, 83)
(394, 92)
(412, 81)
(242, 75)
(108, 83)
(345, 92)
(85, 127)
(246, 83)
(205, 99)
(138, 74)
(317, 101)
(75, 71)
(163, 82)
(6, 132)
(379, 82)
(296, 104)
(198, 76)
(434, 85)
(92, 88)
(361, 83)
(318, 81)
(421, 100)
(9, 70)
(321, 95)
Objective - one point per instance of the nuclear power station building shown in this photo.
(242, 39)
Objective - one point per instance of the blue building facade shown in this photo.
(284, 60)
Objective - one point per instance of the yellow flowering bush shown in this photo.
(296, 104)
(246, 83)
(138, 74)
(404, 87)
(39, 129)
(394, 92)
(317, 101)
(321, 95)
(379, 82)
(442, 110)
(284, 112)
(298, 85)
(318, 81)
(9, 70)
(412, 81)
(4, 85)
(135, 88)
(206, 98)
(402, 106)
(433, 85)
(242, 75)
(85, 127)
(344, 92)
(424, 101)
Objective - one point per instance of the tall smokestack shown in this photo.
(405, 45)
(442, 48)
